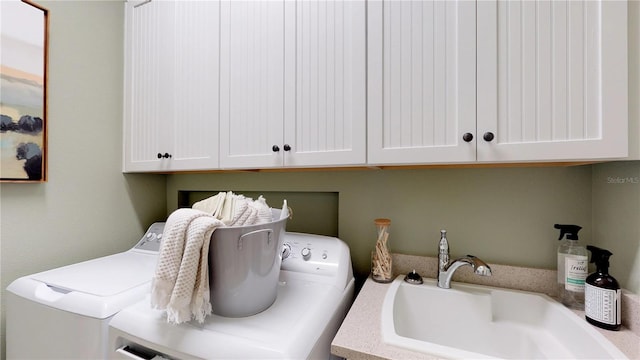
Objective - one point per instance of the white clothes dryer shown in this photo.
(64, 313)
(315, 291)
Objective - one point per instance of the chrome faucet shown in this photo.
(446, 268)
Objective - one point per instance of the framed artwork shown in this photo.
(23, 91)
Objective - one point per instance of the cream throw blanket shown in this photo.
(181, 281)
(236, 210)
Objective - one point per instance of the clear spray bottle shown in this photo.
(572, 267)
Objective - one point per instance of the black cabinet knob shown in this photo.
(275, 148)
(165, 156)
(488, 136)
(159, 156)
(467, 137)
(287, 147)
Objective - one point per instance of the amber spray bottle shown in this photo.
(602, 296)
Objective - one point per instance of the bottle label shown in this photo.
(602, 305)
(575, 272)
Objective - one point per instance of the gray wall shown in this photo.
(87, 208)
(503, 215)
(616, 218)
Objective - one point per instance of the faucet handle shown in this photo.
(443, 251)
(443, 244)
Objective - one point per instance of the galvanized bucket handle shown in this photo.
(251, 233)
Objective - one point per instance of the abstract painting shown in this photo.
(23, 95)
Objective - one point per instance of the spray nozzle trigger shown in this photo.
(571, 231)
(600, 257)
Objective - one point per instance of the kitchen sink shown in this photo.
(473, 321)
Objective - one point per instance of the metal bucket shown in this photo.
(244, 267)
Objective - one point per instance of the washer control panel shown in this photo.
(152, 238)
(319, 255)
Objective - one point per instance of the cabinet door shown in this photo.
(171, 86)
(421, 81)
(252, 84)
(194, 133)
(553, 84)
(325, 106)
(148, 83)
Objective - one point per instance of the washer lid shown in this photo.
(106, 276)
(97, 288)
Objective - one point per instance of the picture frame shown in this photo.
(23, 91)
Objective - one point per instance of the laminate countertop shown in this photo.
(360, 337)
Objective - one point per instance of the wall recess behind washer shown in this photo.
(313, 212)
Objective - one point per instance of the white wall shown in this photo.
(88, 208)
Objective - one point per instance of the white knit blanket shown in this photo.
(181, 281)
(236, 210)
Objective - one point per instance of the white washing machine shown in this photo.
(64, 313)
(315, 291)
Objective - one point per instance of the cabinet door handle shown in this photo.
(275, 148)
(165, 156)
(488, 136)
(287, 147)
(467, 137)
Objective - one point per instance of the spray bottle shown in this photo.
(602, 293)
(572, 267)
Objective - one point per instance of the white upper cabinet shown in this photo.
(293, 84)
(496, 81)
(171, 85)
(552, 80)
(235, 84)
(421, 81)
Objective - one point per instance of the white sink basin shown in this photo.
(472, 321)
